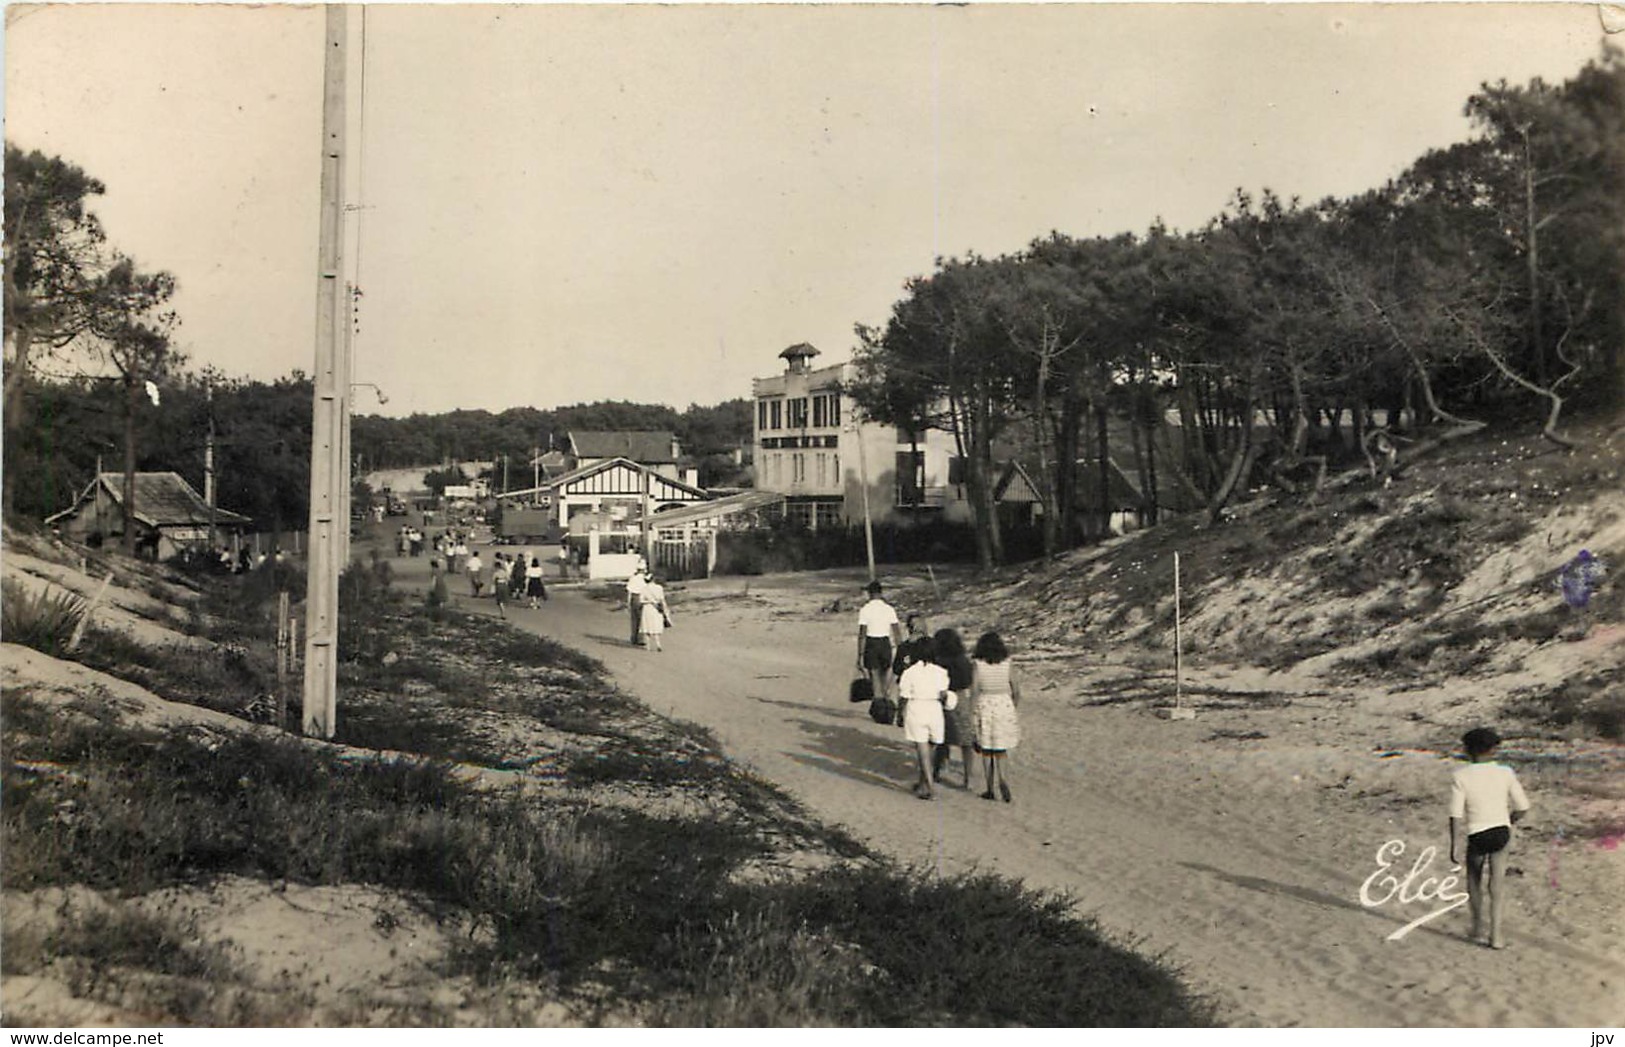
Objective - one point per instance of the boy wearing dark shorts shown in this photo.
(878, 630)
(1485, 799)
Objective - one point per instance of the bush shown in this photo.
(44, 620)
(1595, 702)
(790, 547)
(365, 600)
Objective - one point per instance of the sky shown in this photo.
(564, 204)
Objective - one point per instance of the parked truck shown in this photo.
(519, 526)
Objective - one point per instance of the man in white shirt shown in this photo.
(878, 630)
(636, 586)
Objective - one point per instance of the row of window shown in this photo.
(815, 515)
(772, 443)
(824, 410)
(781, 469)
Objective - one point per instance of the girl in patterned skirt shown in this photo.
(995, 692)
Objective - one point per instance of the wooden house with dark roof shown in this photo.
(170, 516)
(1127, 505)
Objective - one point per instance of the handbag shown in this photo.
(883, 710)
(861, 689)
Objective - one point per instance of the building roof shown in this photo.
(1125, 488)
(1014, 485)
(558, 483)
(1124, 495)
(551, 462)
(161, 500)
(799, 351)
(656, 447)
(733, 503)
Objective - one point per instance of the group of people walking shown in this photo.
(408, 541)
(517, 577)
(946, 698)
(512, 577)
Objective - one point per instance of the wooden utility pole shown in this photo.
(332, 390)
(868, 516)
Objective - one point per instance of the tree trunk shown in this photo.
(1195, 458)
(1104, 484)
(1066, 467)
(1137, 446)
(132, 392)
(16, 379)
(1298, 443)
(1046, 478)
(984, 451)
(1537, 343)
(976, 480)
(1241, 466)
(1152, 418)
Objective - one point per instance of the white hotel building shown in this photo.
(812, 447)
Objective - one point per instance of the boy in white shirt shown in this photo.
(1485, 800)
(878, 631)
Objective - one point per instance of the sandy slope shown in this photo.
(1240, 858)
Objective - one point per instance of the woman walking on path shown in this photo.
(924, 691)
(439, 597)
(996, 693)
(533, 582)
(907, 654)
(656, 616)
(476, 573)
(960, 727)
(499, 583)
(1485, 800)
(516, 577)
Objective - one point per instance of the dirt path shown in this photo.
(1241, 863)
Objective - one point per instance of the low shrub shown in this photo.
(228, 677)
(1595, 703)
(979, 949)
(43, 619)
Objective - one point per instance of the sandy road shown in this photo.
(1226, 863)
